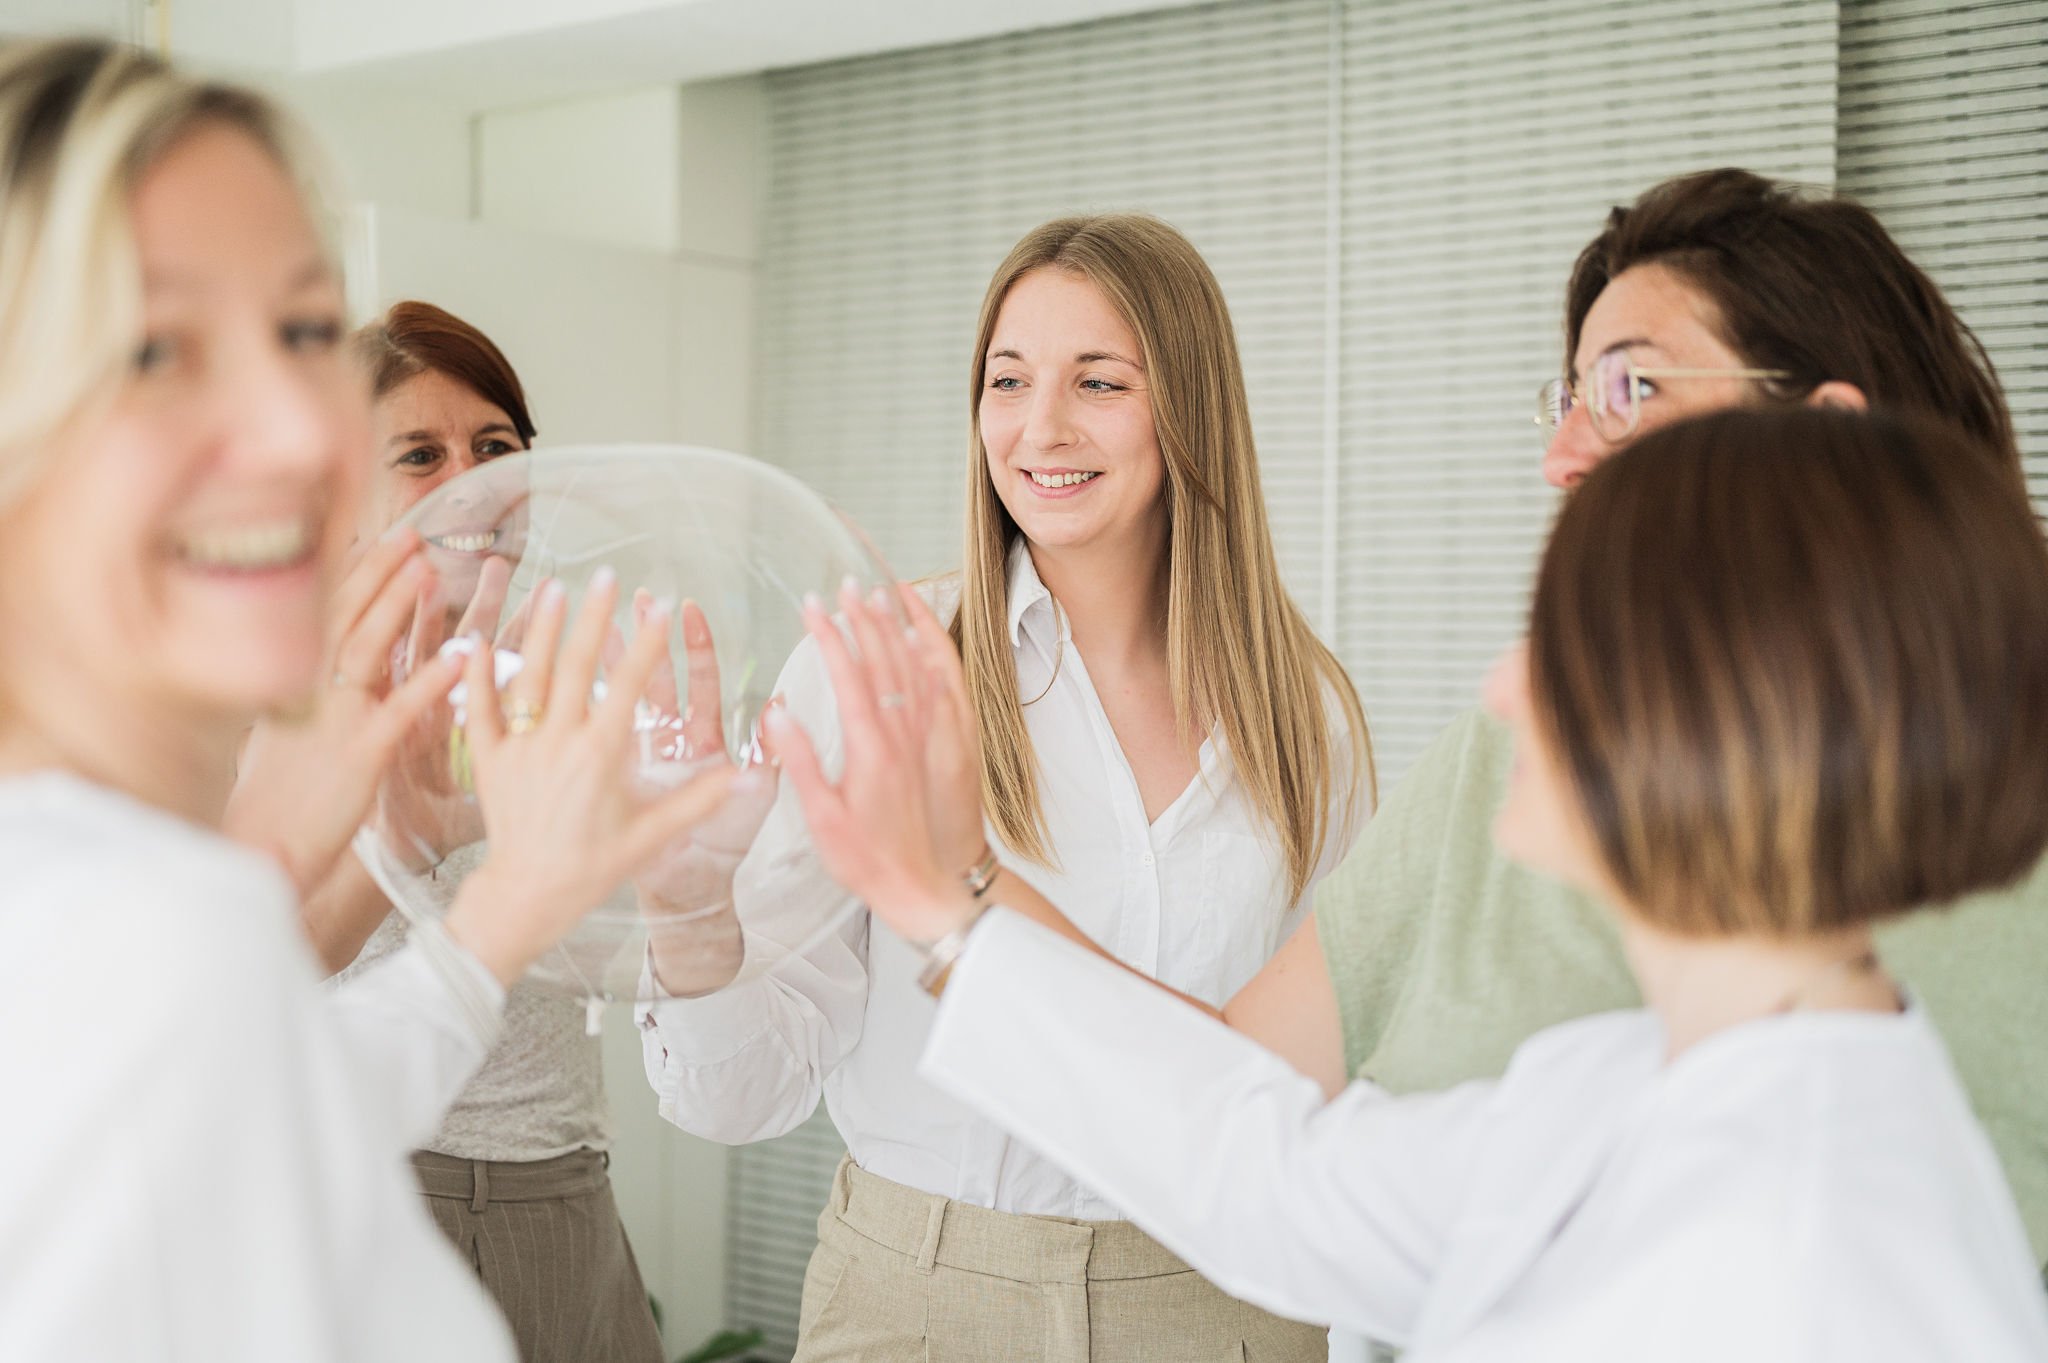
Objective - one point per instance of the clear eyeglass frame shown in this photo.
(1555, 399)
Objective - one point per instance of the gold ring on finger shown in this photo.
(524, 717)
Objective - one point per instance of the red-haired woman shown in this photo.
(516, 1174)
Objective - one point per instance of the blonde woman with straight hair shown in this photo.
(1165, 748)
(204, 1156)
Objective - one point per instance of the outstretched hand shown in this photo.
(686, 893)
(891, 829)
(305, 782)
(567, 822)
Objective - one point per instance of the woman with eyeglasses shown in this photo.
(1786, 670)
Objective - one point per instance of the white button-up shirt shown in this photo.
(203, 1154)
(1806, 1188)
(1197, 899)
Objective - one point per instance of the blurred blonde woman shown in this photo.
(204, 1154)
(1163, 746)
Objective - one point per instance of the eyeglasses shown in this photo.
(1613, 393)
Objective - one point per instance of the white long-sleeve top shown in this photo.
(1198, 899)
(203, 1152)
(1806, 1188)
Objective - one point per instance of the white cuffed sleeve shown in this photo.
(1336, 1212)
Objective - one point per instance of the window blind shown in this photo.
(1944, 132)
(1483, 143)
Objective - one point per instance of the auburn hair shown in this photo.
(413, 338)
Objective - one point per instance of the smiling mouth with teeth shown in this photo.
(1061, 479)
(257, 548)
(467, 542)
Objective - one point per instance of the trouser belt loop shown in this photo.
(480, 1194)
(934, 1224)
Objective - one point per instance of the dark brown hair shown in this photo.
(1795, 664)
(1813, 286)
(414, 337)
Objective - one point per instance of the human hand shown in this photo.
(305, 782)
(566, 820)
(875, 829)
(685, 894)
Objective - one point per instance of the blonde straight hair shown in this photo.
(81, 122)
(1241, 655)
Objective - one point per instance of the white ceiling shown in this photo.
(492, 53)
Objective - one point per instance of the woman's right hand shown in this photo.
(565, 822)
(881, 830)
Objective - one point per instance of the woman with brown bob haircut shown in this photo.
(1786, 678)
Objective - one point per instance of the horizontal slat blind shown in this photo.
(1484, 141)
(1944, 133)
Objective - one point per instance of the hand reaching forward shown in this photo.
(686, 893)
(553, 773)
(305, 783)
(883, 830)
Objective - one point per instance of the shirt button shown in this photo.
(1148, 858)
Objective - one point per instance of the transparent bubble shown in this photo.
(734, 546)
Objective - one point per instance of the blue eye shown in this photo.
(1101, 386)
(1005, 384)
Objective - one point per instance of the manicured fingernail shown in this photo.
(776, 718)
(602, 579)
(552, 592)
(749, 780)
(879, 599)
(812, 603)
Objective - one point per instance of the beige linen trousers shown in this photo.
(901, 1276)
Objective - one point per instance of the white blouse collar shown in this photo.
(1030, 602)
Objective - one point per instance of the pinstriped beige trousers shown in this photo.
(901, 1276)
(545, 1239)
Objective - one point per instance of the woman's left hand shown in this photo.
(686, 894)
(305, 783)
(876, 830)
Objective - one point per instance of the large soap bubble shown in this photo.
(734, 544)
